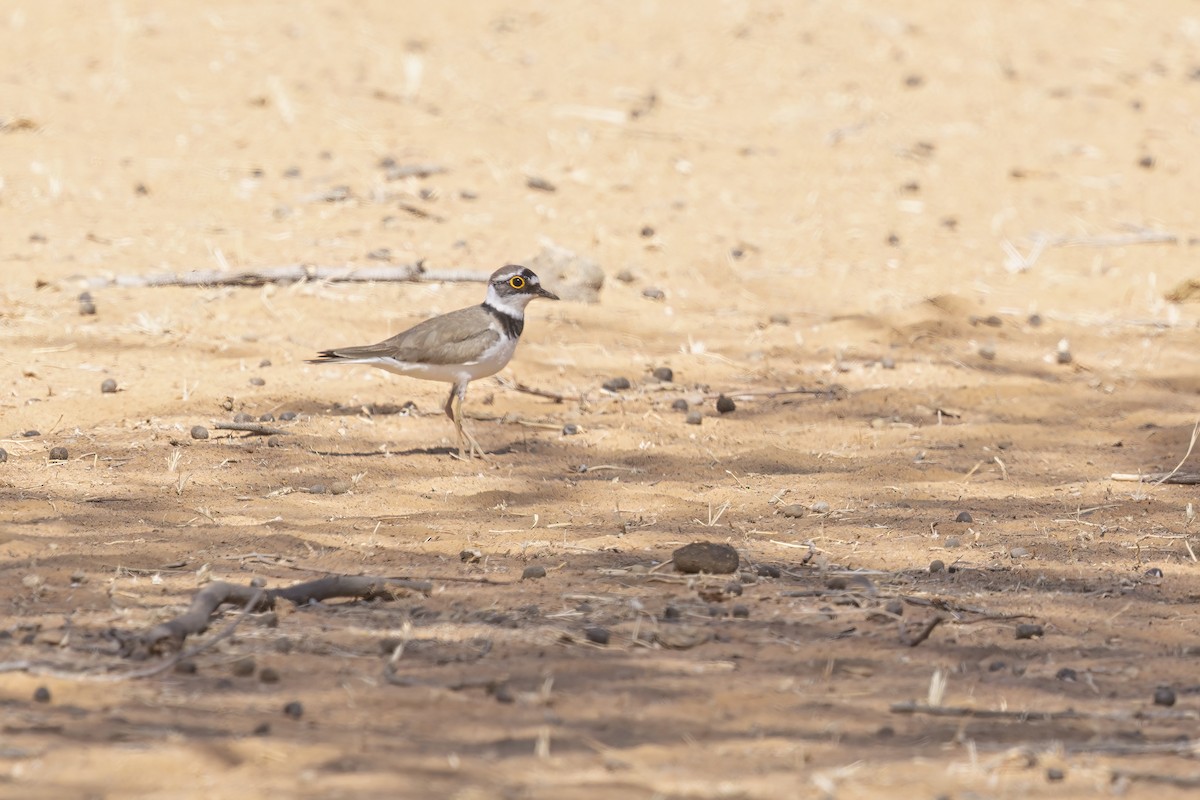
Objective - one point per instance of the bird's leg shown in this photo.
(454, 411)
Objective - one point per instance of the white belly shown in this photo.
(491, 362)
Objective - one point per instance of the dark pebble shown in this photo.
(242, 416)
(339, 487)
(1146, 162)
(1163, 696)
(733, 589)
(672, 613)
(287, 416)
(186, 667)
(725, 404)
(294, 709)
(1154, 572)
(651, 293)
(768, 571)
(780, 319)
(1029, 630)
(533, 571)
(275, 441)
(268, 417)
(108, 387)
(503, 694)
(964, 516)
(243, 667)
(541, 184)
(570, 429)
(996, 666)
(711, 557)
(1054, 774)
(887, 362)
(266, 362)
(937, 565)
(227, 404)
(647, 232)
(679, 405)
(30, 434)
(262, 729)
(199, 432)
(895, 606)
(664, 374)
(317, 488)
(1035, 320)
(42, 695)
(617, 384)
(470, 556)
(268, 675)
(740, 611)
(694, 418)
(794, 510)
(3, 455)
(597, 635)
(625, 276)
(1067, 674)
(258, 582)
(257, 381)
(58, 454)
(87, 308)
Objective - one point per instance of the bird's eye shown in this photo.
(517, 282)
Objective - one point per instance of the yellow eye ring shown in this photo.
(517, 282)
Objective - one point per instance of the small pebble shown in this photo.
(243, 667)
(1163, 696)
(266, 362)
(268, 417)
(672, 613)
(1154, 572)
(30, 434)
(503, 694)
(274, 441)
(470, 556)
(257, 381)
(647, 232)
(733, 589)
(964, 516)
(937, 565)
(1067, 674)
(339, 487)
(794, 510)
(1035, 320)
(1018, 552)
(258, 582)
(987, 352)
(87, 308)
(532, 572)
(287, 416)
(597, 635)
(780, 319)
(186, 667)
(227, 404)
(268, 675)
(711, 557)
(317, 488)
(242, 416)
(58, 454)
(294, 709)
(679, 405)
(651, 293)
(694, 418)
(42, 695)
(262, 729)
(78, 577)
(108, 387)
(199, 432)
(740, 611)
(625, 276)
(616, 384)
(570, 429)
(541, 184)
(819, 507)
(1029, 630)
(895, 606)
(664, 374)
(887, 362)
(1054, 774)
(3, 455)
(952, 542)
(768, 571)
(725, 405)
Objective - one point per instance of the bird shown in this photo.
(457, 347)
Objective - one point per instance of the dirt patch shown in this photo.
(954, 227)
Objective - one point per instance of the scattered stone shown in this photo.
(3, 455)
(532, 572)
(740, 611)
(780, 319)
(42, 695)
(268, 675)
(694, 418)
(1029, 630)
(186, 668)
(1067, 674)
(1054, 774)
(664, 374)
(87, 306)
(58, 454)
(895, 606)
(652, 293)
(794, 510)
(1154, 572)
(294, 709)
(109, 386)
(767, 571)
(887, 362)
(227, 404)
(616, 384)
(316, 488)
(819, 507)
(242, 416)
(287, 416)
(339, 487)
(1146, 162)
(681, 637)
(243, 667)
(596, 634)
(569, 275)
(199, 432)
(1035, 320)
(570, 429)
(267, 417)
(31, 434)
(257, 381)
(710, 557)
(625, 276)
(1163, 696)
(647, 231)
(672, 613)
(78, 577)
(679, 405)
(540, 184)
(987, 352)
(261, 729)
(275, 441)
(937, 565)
(471, 556)
(952, 542)
(266, 362)
(733, 589)
(725, 405)
(1018, 552)
(964, 516)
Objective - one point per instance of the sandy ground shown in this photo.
(922, 203)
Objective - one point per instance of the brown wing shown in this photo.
(454, 338)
